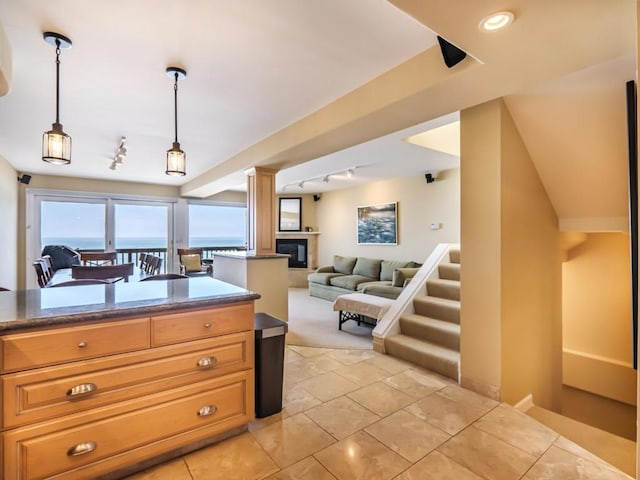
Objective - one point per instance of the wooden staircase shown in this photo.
(430, 336)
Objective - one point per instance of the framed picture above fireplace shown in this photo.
(290, 214)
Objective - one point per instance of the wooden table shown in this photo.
(360, 307)
(64, 275)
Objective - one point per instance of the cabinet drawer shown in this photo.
(181, 327)
(98, 447)
(40, 348)
(47, 393)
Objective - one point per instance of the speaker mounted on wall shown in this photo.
(429, 177)
(24, 179)
(316, 197)
(451, 54)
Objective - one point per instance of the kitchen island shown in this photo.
(99, 381)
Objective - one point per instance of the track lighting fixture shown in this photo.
(120, 155)
(56, 145)
(349, 172)
(176, 158)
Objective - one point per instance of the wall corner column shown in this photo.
(261, 215)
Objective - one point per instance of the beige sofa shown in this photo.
(384, 278)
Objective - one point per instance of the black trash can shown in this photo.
(269, 354)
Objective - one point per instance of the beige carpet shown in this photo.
(313, 323)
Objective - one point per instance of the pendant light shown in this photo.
(56, 145)
(176, 158)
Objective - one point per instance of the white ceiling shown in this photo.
(262, 76)
(253, 67)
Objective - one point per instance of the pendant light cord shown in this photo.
(57, 81)
(175, 107)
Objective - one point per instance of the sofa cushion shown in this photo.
(388, 266)
(322, 278)
(402, 274)
(378, 283)
(386, 291)
(367, 267)
(349, 282)
(343, 264)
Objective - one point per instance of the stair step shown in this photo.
(432, 357)
(438, 308)
(617, 451)
(454, 255)
(449, 271)
(441, 288)
(442, 333)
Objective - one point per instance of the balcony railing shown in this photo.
(132, 255)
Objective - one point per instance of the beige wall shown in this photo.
(419, 205)
(596, 306)
(510, 274)
(308, 211)
(9, 188)
(596, 310)
(480, 295)
(531, 272)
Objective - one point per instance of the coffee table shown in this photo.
(360, 307)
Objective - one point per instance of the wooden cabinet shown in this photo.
(148, 387)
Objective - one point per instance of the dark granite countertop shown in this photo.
(28, 309)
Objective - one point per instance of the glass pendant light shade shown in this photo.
(176, 158)
(176, 161)
(56, 146)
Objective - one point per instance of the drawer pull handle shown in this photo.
(82, 449)
(82, 389)
(206, 362)
(207, 410)
(83, 344)
(207, 325)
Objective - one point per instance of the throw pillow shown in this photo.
(191, 262)
(343, 264)
(388, 266)
(402, 274)
(367, 267)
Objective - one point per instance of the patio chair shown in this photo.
(191, 262)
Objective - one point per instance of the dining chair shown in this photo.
(104, 272)
(48, 266)
(82, 281)
(99, 258)
(164, 276)
(40, 267)
(153, 264)
(142, 257)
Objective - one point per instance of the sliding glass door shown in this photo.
(143, 227)
(82, 222)
(78, 223)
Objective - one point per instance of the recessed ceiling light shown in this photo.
(496, 21)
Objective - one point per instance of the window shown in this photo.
(79, 225)
(217, 225)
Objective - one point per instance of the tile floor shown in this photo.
(356, 414)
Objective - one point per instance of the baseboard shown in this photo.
(490, 391)
(525, 404)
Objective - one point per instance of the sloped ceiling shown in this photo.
(575, 130)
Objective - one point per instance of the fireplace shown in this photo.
(296, 248)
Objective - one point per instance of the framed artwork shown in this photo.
(378, 224)
(290, 214)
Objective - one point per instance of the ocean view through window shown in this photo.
(217, 225)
